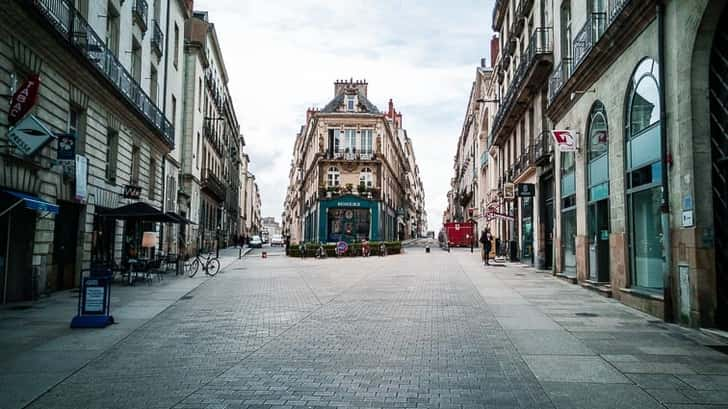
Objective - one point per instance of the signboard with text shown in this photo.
(132, 192)
(565, 140)
(29, 135)
(526, 190)
(23, 99)
(94, 303)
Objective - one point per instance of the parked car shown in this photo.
(256, 242)
(276, 240)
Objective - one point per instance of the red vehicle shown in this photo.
(459, 234)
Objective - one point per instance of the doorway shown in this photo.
(719, 141)
(598, 222)
(65, 240)
(547, 221)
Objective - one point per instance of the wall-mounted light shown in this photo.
(575, 93)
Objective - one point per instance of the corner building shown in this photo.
(640, 207)
(351, 177)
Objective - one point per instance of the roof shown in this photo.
(339, 100)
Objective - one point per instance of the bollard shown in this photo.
(240, 253)
(264, 254)
(427, 249)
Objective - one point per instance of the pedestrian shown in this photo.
(485, 239)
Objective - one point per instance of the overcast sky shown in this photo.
(283, 56)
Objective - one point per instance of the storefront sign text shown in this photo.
(132, 192)
(348, 204)
(23, 99)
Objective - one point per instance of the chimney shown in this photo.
(390, 112)
(482, 63)
(343, 86)
(494, 50)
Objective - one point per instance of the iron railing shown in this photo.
(540, 44)
(213, 184)
(584, 41)
(72, 26)
(140, 10)
(157, 38)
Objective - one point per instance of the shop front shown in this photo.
(348, 218)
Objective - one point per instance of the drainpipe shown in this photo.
(164, 109)
(666, 161)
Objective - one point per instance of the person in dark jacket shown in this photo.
(485, 240)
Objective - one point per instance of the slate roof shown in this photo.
(339, 100)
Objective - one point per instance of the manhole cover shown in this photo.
(186, 297)
(21, 307)
(586, 314)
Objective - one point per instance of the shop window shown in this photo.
(598, 154)
(350, 225)
(644, 177)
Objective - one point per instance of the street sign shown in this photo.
(29, 135)
(565, 140)
(526, 190)
(23, 99)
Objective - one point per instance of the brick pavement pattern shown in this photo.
(412, 331)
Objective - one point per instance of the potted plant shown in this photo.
(362, 188)
(349, 187)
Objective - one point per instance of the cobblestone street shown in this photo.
(414, 331)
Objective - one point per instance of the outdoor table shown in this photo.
(135, 266)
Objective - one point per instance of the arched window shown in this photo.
(643, 162)
(598, 154)
(333, 177)
(365, 178)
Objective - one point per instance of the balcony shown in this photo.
(213, 185)
(524, 8)
(349, 156)
(532, 71)
(73, 28)
(519, 20)
(140, 10)
(543, 148)
(592, 51)
(157, 38)
(208, 132)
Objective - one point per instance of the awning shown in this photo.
(138, 211)
(179, 219)
(34, 202)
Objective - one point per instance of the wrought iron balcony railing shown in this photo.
(157, 38)
(584, 41)
(540, 44)
(140, 10)
(213, 184)
(74, 29)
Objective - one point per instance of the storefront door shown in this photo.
(547, 221)
(65, 240)
(599, 241)
(17, 228)
(719, 138)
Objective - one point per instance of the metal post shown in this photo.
(217, 244)
(7, 258)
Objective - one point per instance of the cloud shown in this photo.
(283, 57)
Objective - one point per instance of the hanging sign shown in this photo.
(132, 192)
(29, 135)
(23, 99)
(526, 190)
(66, 146)
(509, 191)
(565, 140)
(81, 176)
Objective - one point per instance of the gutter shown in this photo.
(668, 303)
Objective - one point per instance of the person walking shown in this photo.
(485, 240)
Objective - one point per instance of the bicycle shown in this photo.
(210, 264)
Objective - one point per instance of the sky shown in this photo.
(283, 56)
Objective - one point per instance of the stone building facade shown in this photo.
(350, 175)
(637, 212)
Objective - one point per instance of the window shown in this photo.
(174, 112)
(365, 178)
(199, 95)
(112, 29)
(350, 103)
(197, 155)
(597, 154)
(112, 150)
(153, 84)
(333, 177)
(350, 140)
(136, 61)
(152, 179)
(566, 30)
(568, 213)
(366, 141)
(77, 126)
(643, 163)
(135, 160)
(176, 46)
(338, 145)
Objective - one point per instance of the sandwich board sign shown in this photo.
(565, 139)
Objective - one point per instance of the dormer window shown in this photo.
(350, 103)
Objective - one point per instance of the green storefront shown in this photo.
(349, 218)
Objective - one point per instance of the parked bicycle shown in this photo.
(210, 264)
